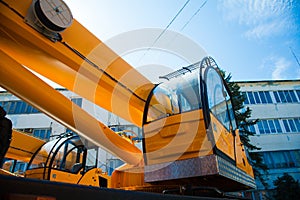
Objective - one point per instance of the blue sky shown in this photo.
(251, 39)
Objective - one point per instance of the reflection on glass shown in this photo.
(91, 159)
(219, 100)
(178, 95)
(68, 155)
(40, 159)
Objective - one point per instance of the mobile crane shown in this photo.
(190, 136)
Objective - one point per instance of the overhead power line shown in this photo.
(191, 18)
(170, 23)
(187, 22)
(166, 28)
(295, 56)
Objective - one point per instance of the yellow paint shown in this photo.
(176, 137)
(224, 140)
(128, 177)
(92, 178)
(23, 146)
(226, 143)
(241, 157)
(17, 79)
(62, 65)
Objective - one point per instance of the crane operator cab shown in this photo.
(66, 159)
(190, 132)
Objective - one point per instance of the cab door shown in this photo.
(68, 163)
(220, 114)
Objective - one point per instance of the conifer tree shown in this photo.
(286, 188)
(244, 122)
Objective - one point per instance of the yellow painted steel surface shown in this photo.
(128, 177)
(101, 77)
(183, 136)
(241, 157)
(92, 178)
(230, 145)
(24, 84)
(177, 137)
(82, 64)
(224, 140)
(37, 173)
(66, 177)
(23, 146)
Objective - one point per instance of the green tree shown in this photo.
(244, 122)
(286, 188)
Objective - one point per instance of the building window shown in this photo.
(251, 98)
(265, 97)
(18, 107)
(297, 122)
(41, 133)
(286, 96)
(15, 166)
(298, 94)
(281, 159)
(251, 129)
(77, 101)
(259, 97)
(246, 101)
(292, 125)
(269, 126)
(278, 126)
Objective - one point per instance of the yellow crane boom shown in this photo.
(87, 67)
(23, 146)
(24, 84)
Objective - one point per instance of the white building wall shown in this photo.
(30, 121)
(274, 142)
(265, 111)
(34, 120)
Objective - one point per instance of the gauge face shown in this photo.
(53, 14)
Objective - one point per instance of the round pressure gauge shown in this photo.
(54, 15)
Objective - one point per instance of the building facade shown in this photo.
(30, 120)
(277, 106)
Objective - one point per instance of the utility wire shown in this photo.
(158, 37)
(191, 18)
(170, 23)
(295, 56)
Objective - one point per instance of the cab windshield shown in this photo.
(178, 95)
(219, 101)
(44, 154)
(63, 154)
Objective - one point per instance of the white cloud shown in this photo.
(277, 66)
(261, 17)
(280, 68)
(266, 29)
